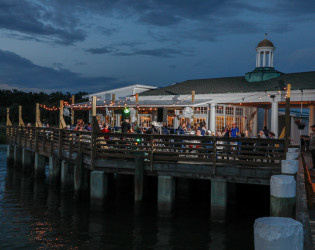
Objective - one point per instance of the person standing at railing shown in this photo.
(312, 144)
(125, 126)
(234, 133)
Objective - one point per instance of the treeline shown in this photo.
(13, 98)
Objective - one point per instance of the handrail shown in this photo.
(154, 147)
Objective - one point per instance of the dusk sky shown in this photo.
(95, 45)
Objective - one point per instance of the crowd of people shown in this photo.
(200, 129)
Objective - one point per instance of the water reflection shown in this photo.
(35, 215)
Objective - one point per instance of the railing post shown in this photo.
(15, 136)
(25, 136)
(36, 139)
(60, 143)
(70, 145)
(214, 160)
(52, 142)
(31, 138)
(93, 149)
(80, 144)
(151, 151)
(44, 138)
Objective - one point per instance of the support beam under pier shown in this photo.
(54, 170)
(17, 156)
(139, 179)
(166, 195)
(98, 188)
(66, 176)
(81, 179)
(27, 160)
(218, 200)
(10, 155)
(39, 166)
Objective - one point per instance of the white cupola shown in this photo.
(264, 55)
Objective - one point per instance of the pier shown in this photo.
(83, 162)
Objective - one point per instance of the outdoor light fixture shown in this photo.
(126, 110)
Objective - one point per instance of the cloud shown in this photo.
(27, 19)
(161, 52)
(69, 22)
(19, 72)
(102, 50)
(131, 51)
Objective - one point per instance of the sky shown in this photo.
(96, 45)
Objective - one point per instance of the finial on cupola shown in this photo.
(265, 35)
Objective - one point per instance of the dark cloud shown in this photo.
(20, 72)
(162, 53)
(131, 51)
(32, 19)
(67, 22)
(102, 50)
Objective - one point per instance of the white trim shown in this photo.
(148, 87)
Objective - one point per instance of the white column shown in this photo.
(264, 59)
(269, 59)
(311, 117)
(176, 121)
(212, 118)
(257, 59)
(274, 118)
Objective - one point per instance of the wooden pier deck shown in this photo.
(240, 160)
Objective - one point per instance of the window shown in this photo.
(145, 120)
(239, 111)
(200, 110)
(220, 123)
(229, 110)
(220, 109)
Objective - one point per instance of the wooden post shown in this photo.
(113, 97)
(214, 160)
(36, 139)
(166, 195)
(9, 123)
(94, 133)
(93, 106)
(282, 196)
(60, 143)
(151, 151)
(62, 123)
(72, 113)
(139, 178)
(38, 122)
(21, 123)
(219, 200)
(287, 119)
(137, 98)
(193, 96)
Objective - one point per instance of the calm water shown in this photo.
(34, 215)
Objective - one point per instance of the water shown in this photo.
(34, 215)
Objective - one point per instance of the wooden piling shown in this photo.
(282, 196)
(166, 195)
(139, 178)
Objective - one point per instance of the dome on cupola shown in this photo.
(265, 43)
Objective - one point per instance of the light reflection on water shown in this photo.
(35, 215)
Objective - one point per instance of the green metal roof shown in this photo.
(302, 80)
